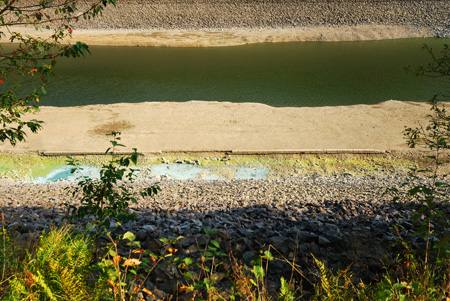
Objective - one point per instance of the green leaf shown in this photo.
(189, 275)
(130, 236)
(398, 286)
(206, 268)
(209, 232)
(134, 157)
(415, 217)
(268, 255)
(258, 271)
(215, 243)
(415, 190)
(188, 261)
(443, 241)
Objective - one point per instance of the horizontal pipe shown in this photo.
(307, 151)
(62, 153)
(230, 152)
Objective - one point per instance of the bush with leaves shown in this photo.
(434, 141)
(423, 270)
(109, 196)
(433, 193)
(32, 58)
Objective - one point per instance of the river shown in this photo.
(279, 74)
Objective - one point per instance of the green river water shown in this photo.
(280, 74)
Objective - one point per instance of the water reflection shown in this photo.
(283, 74)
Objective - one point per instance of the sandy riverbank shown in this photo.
(222, 126)
(231, 37)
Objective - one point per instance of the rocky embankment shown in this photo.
(341, 221)
(229, 14)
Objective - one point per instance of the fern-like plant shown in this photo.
(339, 286)
(286, 294)
(57, 270)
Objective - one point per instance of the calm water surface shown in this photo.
(282, 74)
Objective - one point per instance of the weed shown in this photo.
(123, 278)
(339, 286)
(108, 197)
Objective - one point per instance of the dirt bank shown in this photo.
(211, 126)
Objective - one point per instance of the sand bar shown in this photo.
(232, 37)
(223, 126)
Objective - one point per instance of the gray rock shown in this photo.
(141, 235)
(152, 244)
(323, 241)
(248, 257)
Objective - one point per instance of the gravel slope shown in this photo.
(215, 14)
(341, 221)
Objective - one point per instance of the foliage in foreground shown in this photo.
(56, 269)
(26, 65)
(59, 266)
(421, 270)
